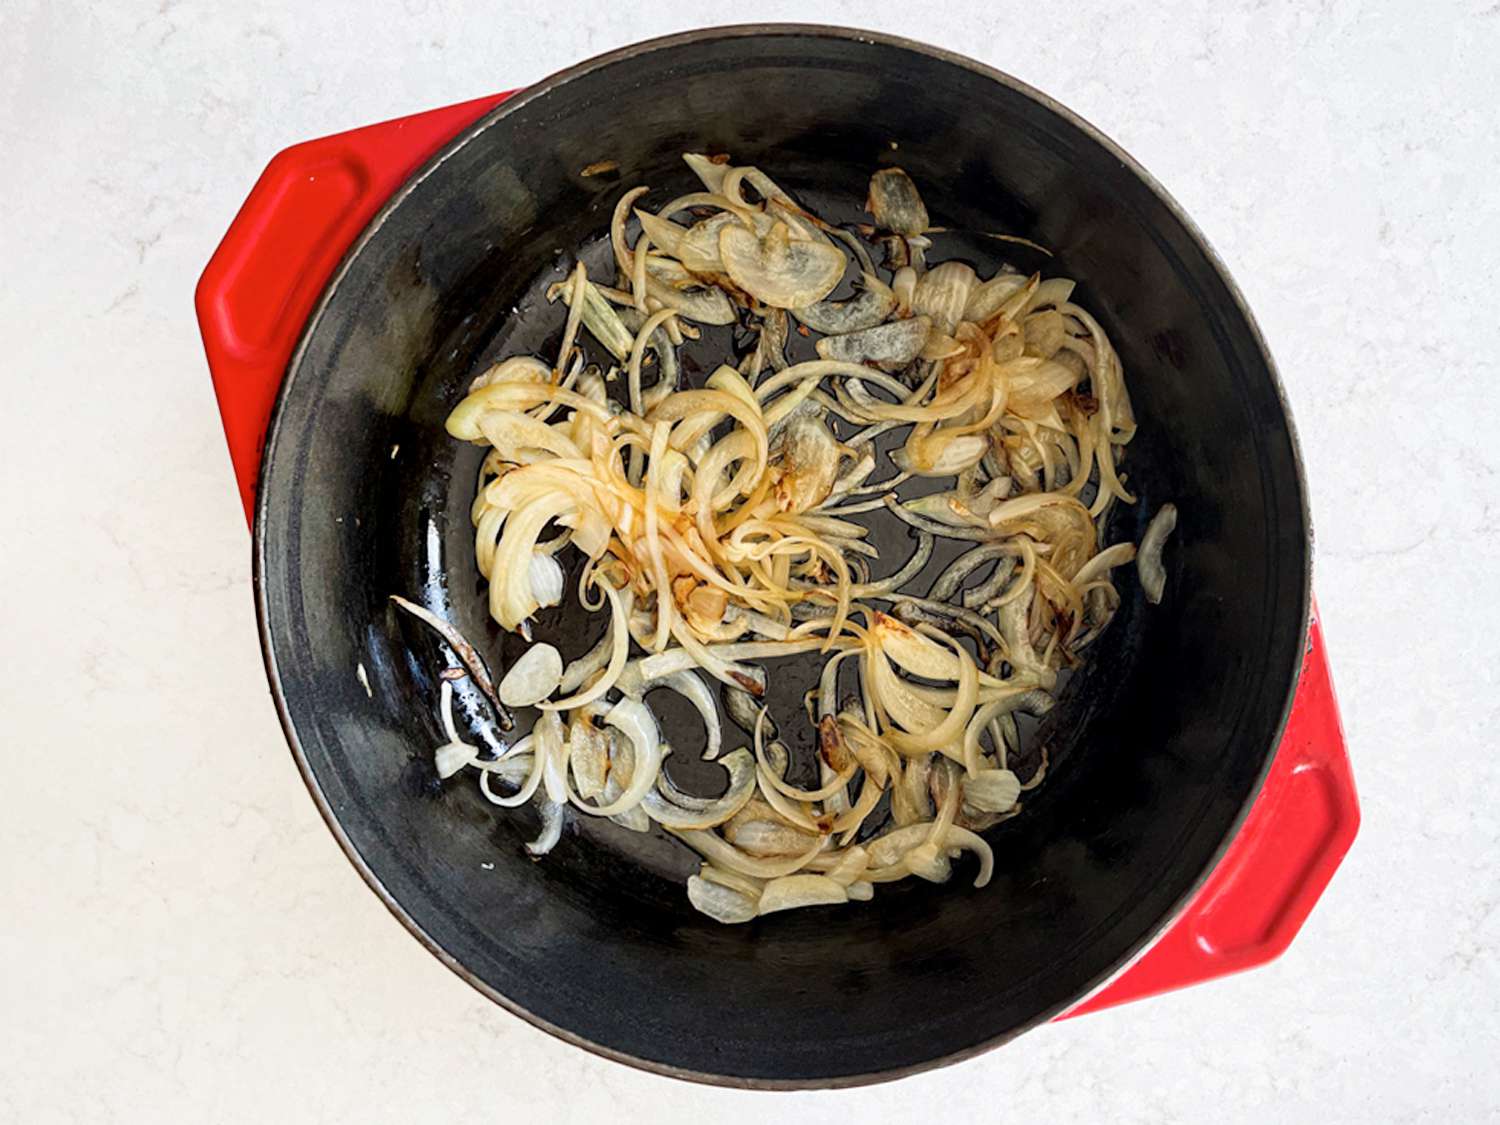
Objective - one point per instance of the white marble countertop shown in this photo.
(181, 938)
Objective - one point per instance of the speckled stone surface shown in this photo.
(180, 938)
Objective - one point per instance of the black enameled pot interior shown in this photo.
(1157, 747)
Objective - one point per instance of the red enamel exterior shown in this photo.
(257, 291)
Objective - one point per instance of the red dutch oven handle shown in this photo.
(1278, 865)
(257, 292)
(259, 288)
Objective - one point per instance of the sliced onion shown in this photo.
(723, 854)
(895, 203)
(747, 885)
(949, 731)
(928, 861)
(1105, 561)
(634, 819)
(958, 837)
(779, 270)
(662, 233)
(513, 769)
(709, 515)
(848, 866)
(941, 454)
(767, 838)
(698, 249)
(807, 456)
(904, 286)
(546, 579)
(873, 304)
(992, 790)
(552, 826)
(888, 346)
(533, 677)
(707, 169)
(588, 756)
(634, 720)
(547, 739)
(720, 661)
(618, 639)
(451, 757)
(670, 284)
(1148, 560)
(689, 684)
(889, 848)
(662, 804)
(789, 892)
(942, 294)
(721, 903)
(504, 767)
(987, 298)
(741, 707)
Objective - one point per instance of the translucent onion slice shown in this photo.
(546, 579)
(807, 459)
(791, 892)
(904, 287)
(939, 453)
(992, 790)
(662, 808)
(588, 756)
(634, 720)
(765, 838)
(619, 641)
(745, 884)
(533, 677)
(959, 837)
(942, 294)
(888, 849)
(873, 304)
(451, 757)
(947, 734)
(928, 861)
(721, 903)
(723, 854)
(689, 684)
(848, 866)
(663, 233)
(986, 298)
(1105, 561)
(671, 285)
(552, 826)
(708, 169)
(1012, 619)
(698, 249)
(505, 767)
(1148, 560)
(889, 346)
(895, 203)
(779, 270)
(547, 738)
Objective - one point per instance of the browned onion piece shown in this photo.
(895, 202)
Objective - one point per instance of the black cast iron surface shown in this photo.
(1159, 744)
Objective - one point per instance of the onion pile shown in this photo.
(723, 526)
